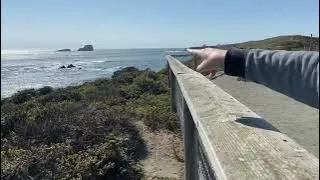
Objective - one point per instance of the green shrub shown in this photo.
(85, 128)
(108, 160)
(4, 101)
(85, 131)
(155, 110)
(130, 91)
(61, 95)
(144, 83)
(163, 71)
(125, 75)
(23, 96)
(149, 85)
(101, 90)
(100, 83)
(45, 90)
(11, 114)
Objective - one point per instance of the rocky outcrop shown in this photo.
(64, 50)
(86, 48)
(71, 66)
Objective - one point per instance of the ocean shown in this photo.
(37, 68)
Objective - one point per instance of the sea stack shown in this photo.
(86, 48)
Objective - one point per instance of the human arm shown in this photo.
(293, 73)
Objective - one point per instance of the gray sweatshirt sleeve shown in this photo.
(293, 73)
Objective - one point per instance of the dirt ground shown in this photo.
(164, 154)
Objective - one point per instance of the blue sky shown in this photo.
(151, 23)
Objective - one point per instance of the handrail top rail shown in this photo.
(238, 143)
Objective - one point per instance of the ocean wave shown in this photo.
(103, 69)
(113, 69)
(4, 69)
(98, 61)
(176, 51)
(82, 62)
(77, 62)
(24, 51)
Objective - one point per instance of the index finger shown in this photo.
(194, 51)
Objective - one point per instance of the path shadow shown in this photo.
(142, 150)
(257, 123)
(215, 77)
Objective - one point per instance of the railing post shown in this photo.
(173, 91)
(190, 144)
(188, 129)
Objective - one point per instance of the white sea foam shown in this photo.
(23, 51)
(98, 61)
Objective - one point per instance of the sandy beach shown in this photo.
(297, 120)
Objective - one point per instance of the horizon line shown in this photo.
(75, 49)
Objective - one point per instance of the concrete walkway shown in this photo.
(297, 120)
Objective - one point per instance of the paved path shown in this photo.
(297, 120)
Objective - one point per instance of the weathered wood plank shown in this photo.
(239, 144)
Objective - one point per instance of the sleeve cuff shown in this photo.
(234, 63)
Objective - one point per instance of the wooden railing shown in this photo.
(223, 139)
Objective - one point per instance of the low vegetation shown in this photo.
(86, 131)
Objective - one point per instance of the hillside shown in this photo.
(290, 43)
